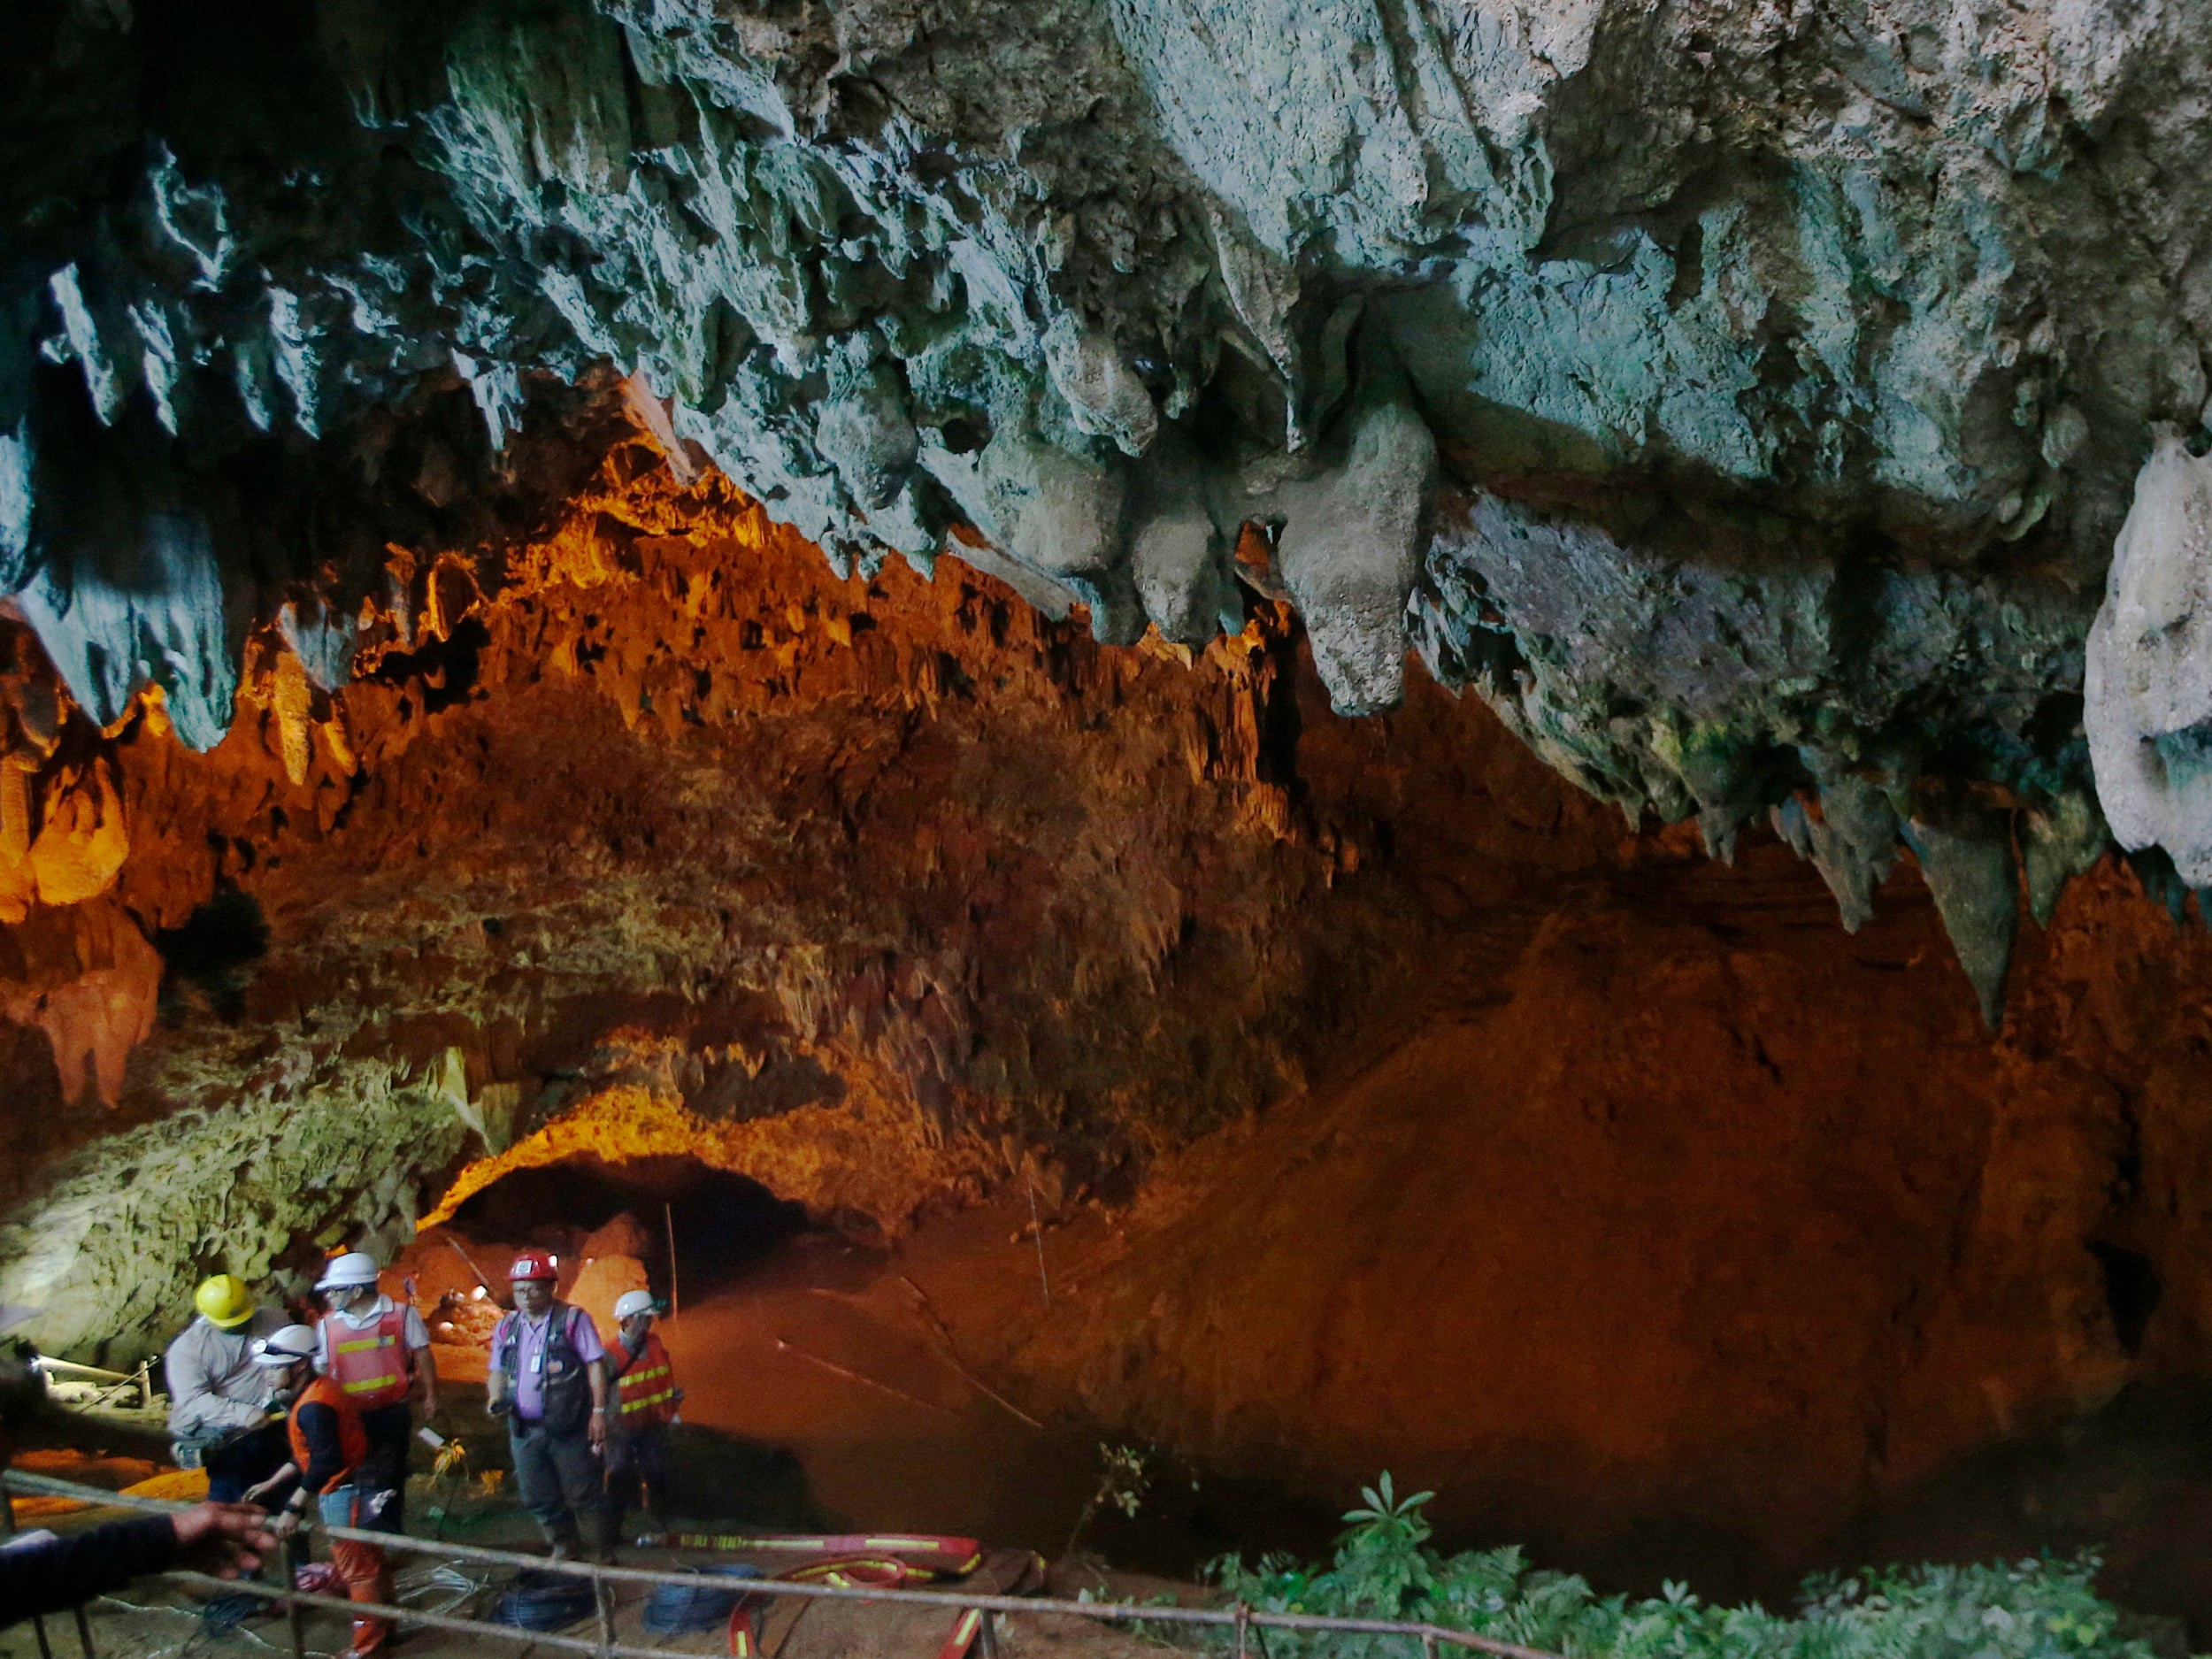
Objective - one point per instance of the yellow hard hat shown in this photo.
(224, 1301)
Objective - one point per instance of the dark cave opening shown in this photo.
(2132, 1292)
(212, 953)
(723, 1225)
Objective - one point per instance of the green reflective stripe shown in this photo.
(366, 1343)
(651, 1400)
(366, 1384)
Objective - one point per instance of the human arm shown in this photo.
(495, 1400)
(585, 1336)
(263, 1491)
(418, 1339)
(229, 1538)
(325, 1456)
(44, 1574)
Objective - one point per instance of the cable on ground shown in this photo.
(674, 1608)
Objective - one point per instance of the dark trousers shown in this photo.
(560, 1482)
(638, 1456)
(246, 1461)
(391, 1432)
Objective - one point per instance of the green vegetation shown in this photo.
(2040, 1609)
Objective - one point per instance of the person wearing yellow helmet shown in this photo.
(218, 1398)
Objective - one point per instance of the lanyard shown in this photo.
(545, 1340)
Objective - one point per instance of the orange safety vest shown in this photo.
(645, 1393)
(371, 1364)
(353, 1439)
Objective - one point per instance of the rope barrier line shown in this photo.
(1239, 1618)
(438, 1621)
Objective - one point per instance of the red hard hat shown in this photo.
(533, 1264)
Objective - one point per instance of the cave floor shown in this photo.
(155, 1622)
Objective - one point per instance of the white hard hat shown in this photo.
(288, 1347)
(634, 1301)
(355, 1267)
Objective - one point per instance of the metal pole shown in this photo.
(84, 1631)
(675, 1296)
(7, 1530)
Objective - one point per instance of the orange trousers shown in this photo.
(367, 1577)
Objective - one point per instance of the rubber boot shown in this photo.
(604, 1526)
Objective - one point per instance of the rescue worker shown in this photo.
(645, 1401)
(332, 1463)
(377, 1351)
(220, 1415)
(547, 1377)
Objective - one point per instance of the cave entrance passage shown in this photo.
(723, 1225)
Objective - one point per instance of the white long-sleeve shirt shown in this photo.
(214, 1383)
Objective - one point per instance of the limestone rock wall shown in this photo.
(1870, 314)
(1649, 1256)
(869, 889)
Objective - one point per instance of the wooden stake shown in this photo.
(291, 1556)
(1037, 1232)
(7, 1530)
(603, 1604)
(675, 1295)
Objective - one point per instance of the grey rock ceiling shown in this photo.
(1743, 398)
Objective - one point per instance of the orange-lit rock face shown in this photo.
(1678, 1235)
(1625, 1186)
(891, 884)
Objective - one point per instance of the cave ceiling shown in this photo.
(813, 558)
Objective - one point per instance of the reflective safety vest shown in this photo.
(645, 1392)
(371, 1363)
(353, 1438)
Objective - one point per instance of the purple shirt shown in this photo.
(528, 1383)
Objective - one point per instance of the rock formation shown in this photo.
(1859, 324)
(882, 597)
(2146, 682)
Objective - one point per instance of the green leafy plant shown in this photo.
(2042, 1608)
(1124, 1478)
